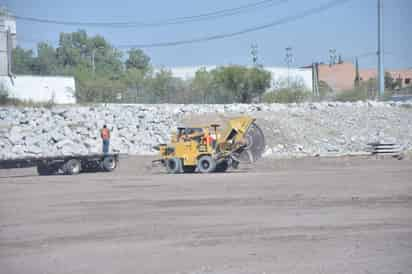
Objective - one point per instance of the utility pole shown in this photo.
(93, 56)
(357, 76)
(254, 53)
(381, 75)
(289, 61)
(332, 57)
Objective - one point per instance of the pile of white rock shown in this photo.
(291, 129)
(74, 130)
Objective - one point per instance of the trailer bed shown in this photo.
(67, 164)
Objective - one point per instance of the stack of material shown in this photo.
(389, 149)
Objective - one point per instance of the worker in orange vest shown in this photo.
(209, 139)
(105, 135)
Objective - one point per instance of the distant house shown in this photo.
(338, 76)
(403, 76)
(341, 77)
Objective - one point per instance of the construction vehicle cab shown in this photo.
(209, 149)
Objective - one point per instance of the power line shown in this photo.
(285, 20)
(369, 54)
(170, 21)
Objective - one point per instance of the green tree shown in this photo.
(160, 86)
(46, 62)
(138, 60)
(78, 49)
(71, 52)
(243, 84)
(135, 80)
(286, 95)
(390, 84)
(289, 91)
(366, 90)
(98, 89)
(22, 61)
(4, 95)
(202, 86)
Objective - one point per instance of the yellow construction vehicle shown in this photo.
(212, 149)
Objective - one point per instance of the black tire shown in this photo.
(45, 170)
(206, 164)
(174, 165)
(109, 163)
(72, 167)
(222, 166)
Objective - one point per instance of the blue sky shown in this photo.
(350, 28)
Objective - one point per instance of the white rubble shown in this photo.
(291, 130)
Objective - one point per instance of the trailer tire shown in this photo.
(109, 163)
(45, 170)
(206, 164)
(174, 165)
(72, 167)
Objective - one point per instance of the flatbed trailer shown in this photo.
(69, 165)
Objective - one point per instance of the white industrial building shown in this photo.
(58, 89)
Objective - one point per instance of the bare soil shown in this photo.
(346, 215)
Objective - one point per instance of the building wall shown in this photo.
(342, 76)
(41, 88)
(298, 75)
(405, 75)
(3, 54)
(338, 76)
(7, 23)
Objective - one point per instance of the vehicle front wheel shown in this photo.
(206, 164)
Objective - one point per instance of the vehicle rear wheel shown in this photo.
(206, 164)
(72, 167)
(109, 163)
(174, 165)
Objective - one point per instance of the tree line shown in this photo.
(105, 74)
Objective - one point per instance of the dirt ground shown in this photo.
(279, 216)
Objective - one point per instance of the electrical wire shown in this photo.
(282, 21)
(171, 21)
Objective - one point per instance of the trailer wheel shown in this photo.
(222, 166)
(174, 165)
(206, 164)
(109, 163)
(72, 167)
(45, 170)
